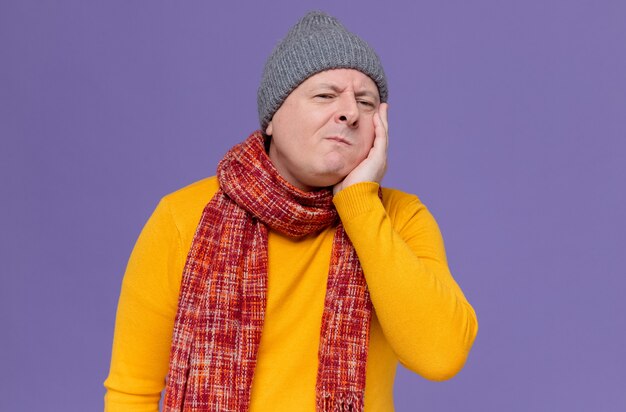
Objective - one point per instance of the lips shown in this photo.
(339, 139)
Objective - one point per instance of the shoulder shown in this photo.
(186, 204)
(193, 195)
(403, 207)
(397, 202)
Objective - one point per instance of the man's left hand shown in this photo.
(374, 166)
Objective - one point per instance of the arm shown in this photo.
(145, 317)
(422, 311)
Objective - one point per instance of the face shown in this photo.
(324, 128)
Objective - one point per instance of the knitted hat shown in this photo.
(316, 43)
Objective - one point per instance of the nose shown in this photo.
(347, 111)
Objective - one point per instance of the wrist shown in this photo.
(356, 198)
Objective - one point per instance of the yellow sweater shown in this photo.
(420, 317)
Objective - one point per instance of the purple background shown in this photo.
(507, 118)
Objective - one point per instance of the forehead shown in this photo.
(341, 79)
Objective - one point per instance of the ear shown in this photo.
(269, 129)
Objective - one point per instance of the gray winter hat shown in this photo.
(316, 43)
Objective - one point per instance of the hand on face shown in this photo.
(374, 166)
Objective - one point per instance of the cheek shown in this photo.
(368, 141)
(288, 149)
(363, 154)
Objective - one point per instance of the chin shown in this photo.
(332, 171)
(323, 178)
(337, 166)
(323, 181)
(331, 178)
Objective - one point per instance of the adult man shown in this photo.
(245, 304)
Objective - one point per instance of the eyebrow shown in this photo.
(336, 89)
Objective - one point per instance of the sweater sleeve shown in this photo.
(422, 311)
(145, 317)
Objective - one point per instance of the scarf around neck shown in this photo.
(222, 299)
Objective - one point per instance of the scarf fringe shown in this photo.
(349, 402)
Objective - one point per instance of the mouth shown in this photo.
(339, 139)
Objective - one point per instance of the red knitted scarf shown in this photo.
(222, 299)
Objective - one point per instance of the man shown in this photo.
(285, 281)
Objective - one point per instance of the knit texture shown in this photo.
(222, 300)
(316, 43)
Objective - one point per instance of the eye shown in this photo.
(324, 96)
(367, 103)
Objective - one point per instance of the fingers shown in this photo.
(381, 125)
(378, 152)
(382, 111)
